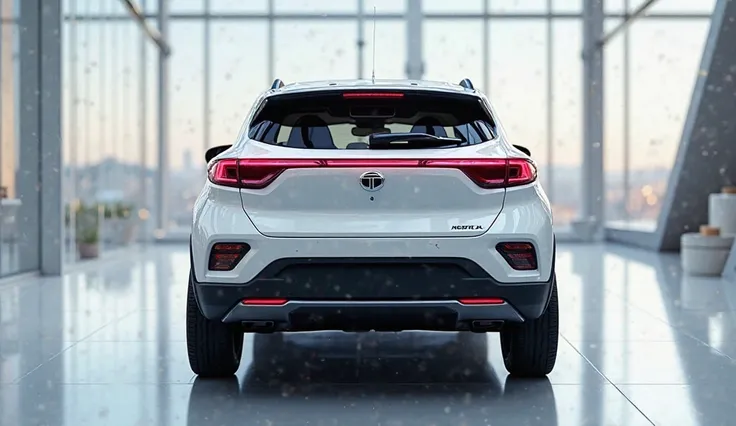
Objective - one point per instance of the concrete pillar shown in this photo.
(414, 57)
(39, 128)
(592, 216)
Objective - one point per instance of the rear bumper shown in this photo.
(395, 290)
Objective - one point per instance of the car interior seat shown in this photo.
(310, 131)
(430, 126)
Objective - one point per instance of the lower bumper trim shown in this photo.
(300, 315)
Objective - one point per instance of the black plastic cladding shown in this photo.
(277, 84)
(466, 83)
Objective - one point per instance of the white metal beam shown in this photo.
(137, 13)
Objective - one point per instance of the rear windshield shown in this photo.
(345, 120)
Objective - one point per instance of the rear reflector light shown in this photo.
(265, 302)
(520, 256)
(482, 301)
(487, 173)
(225, 256)
(372, 95)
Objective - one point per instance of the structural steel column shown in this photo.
(207, 59)
(361, 38)
(270, 41)
(627, 115)
(550, 116)
(486, 47)
(52, 208)
(73, 103)
(29, 146)
(592, 166)
(163, 122)
(143, 126)
(415, 59)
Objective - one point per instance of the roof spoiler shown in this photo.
(277, 84)
(466, 83)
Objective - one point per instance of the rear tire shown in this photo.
(214, 347)
(530, 349)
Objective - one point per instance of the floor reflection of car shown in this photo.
(372, 205)
(373, 378)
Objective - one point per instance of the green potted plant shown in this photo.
(123, 211)
(88, 235)
(108, 211)
(88, 243)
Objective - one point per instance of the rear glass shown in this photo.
(329, 120)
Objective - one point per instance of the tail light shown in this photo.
(490, 173)
(487, 173)
(521, 172)
(520, 256)
(225, 256)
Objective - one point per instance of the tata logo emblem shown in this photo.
(372, 181)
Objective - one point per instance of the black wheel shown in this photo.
(530, 349)
(214, 348)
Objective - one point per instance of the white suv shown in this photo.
(360, 205)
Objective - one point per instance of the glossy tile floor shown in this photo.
(104, 345)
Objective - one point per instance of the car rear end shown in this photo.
(304, 225)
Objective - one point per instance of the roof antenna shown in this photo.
(373, 72)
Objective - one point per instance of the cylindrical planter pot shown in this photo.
(722, 210)
(703, 254)
(88, 250)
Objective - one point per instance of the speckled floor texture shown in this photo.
(104, 345)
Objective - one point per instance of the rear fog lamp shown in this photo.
(225, 256)
(520, 256)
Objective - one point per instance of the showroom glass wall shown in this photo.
(525, 54)
(650, 72)
(10, 198)
(109, 151)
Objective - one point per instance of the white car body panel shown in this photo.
(411, 216)
(219, 217)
